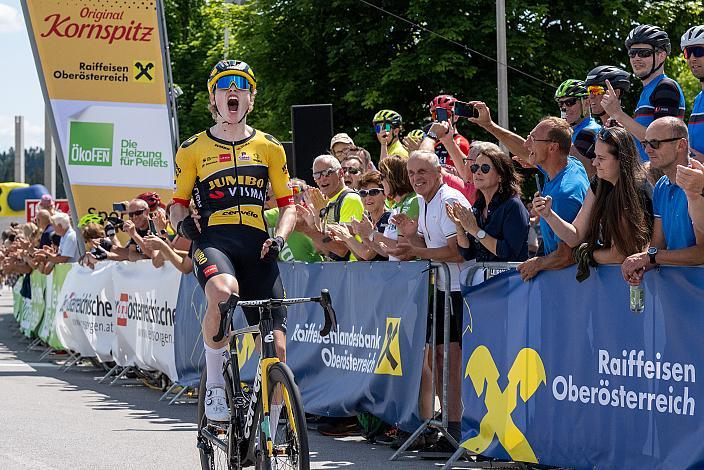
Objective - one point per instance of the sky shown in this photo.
(20, 93)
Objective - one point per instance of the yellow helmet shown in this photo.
(231, 67)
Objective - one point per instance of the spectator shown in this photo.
(691, 180)
(68, 248)
(372, 193)
(616, 219)
(335, 202)
(433, 237)
(397, 187)
(498, 222)
(387, 127)
(547, 147)
(340, 146)
(571, 97)
(692, 44)
(181, 259)
(675, 241)
(596, 86)
(455, 159)
(352, 169)
(137, 227)
(47, 203)
(648, 47)
(44, 223)
(364, 156)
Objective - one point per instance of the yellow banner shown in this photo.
(99, 50)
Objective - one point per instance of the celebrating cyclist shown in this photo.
(225, 170)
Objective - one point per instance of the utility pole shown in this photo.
(501, 65)
(49, 155)
(19, 149)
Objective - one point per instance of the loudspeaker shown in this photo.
(312, 131)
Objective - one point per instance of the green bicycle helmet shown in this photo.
(571, 89)
(416, 134)
(90, 218)
(388, 115)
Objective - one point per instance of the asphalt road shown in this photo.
(55, 419)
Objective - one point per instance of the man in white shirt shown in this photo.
(433, 237)
(68, 247)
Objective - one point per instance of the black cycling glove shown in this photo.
(277, 244)
(187, 228)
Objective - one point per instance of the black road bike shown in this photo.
(246, 439)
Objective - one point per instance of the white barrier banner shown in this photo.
(85, 316)
(145, 305)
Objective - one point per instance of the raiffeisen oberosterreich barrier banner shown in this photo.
(103, 71)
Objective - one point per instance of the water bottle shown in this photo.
(637, 295)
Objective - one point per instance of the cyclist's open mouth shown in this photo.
(233, 104)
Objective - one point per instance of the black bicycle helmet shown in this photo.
(618, 78)
(649, 34)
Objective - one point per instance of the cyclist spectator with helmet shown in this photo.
(596, 86)
(387, 127)
(648, 47)
(340, 145)
(571, 97)
(692, 44)
(616, 219)
(225, 169)
(413, 139)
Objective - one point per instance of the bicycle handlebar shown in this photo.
(228, 307)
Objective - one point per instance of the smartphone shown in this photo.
(537, 184)
(152, 227)
(119, 207)
(441, 114)
(465, 110)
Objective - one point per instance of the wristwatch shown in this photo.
(481, 234)
(652, 251)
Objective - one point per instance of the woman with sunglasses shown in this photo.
(376, 219)
(616, 219)
(393, 177)
(496, 227)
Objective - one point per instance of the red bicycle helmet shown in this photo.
(443, 101)
(152, 199)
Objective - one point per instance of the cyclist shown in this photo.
(596, 86)
(692, 44)
(648, 47)
(387, 127)
(571, 97)
(225, 169)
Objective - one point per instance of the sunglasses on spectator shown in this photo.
(485, 167)
(136, 213)
(655, 143)
(351, 170)
(642, 53)
(224, 83)
(596, 90)
(696, 51)
(569, 102)
(532, 137)
(370, 192)
(320, 174)
(382, 126)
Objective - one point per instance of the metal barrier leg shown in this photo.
(110, 372)
(455, 457)
(46, 353)
(72, 361)
(122, 373)
(178, 395)
(35, 342)
(166, 393)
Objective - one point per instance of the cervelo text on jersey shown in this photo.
(229, 179)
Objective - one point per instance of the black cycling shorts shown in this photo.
(456, 315)
(236, 250)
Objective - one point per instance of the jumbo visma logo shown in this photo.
(90, 143)
(390, 357)
(525, 377)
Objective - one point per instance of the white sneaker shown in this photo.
(216, 404)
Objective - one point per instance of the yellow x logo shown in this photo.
(527, 372)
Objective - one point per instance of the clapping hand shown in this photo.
(691, 178)
(406, 226)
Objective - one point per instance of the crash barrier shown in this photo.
(564, 373)
(135, 315)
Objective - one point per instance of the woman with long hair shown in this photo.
(496, 227)
(616, 218)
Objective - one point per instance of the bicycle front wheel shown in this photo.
(290, 437)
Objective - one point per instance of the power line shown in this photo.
(467, 49)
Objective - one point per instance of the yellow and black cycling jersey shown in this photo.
(228, 180)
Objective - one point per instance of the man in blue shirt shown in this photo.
(675, 240)
(648, 47)
(547, 148)
(692, 44)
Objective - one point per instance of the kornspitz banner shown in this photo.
(563, 373)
